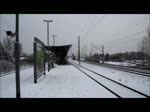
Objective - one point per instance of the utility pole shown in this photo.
(48, 21)
(82, 52)
(79, 50)
(92, 49)
(103, 54)
(143, 54)
(85, 52)
(17, 58)
(54, 46)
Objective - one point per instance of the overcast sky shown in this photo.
(110, 30)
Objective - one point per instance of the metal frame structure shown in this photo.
(36, 75)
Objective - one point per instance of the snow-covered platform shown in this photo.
(61, 82)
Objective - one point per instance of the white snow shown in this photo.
(120, 63)
(22, 58)
(123, 92)
(65, 81)
(137, 82)
(62, 81)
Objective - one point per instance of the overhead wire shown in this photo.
(119, 43)
(81, 32)
(114, 43)
(90, 25)
(93, 27)
(90, 20)
(124, 37)
(120, 39)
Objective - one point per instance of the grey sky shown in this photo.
(68, 27)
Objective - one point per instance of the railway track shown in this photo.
(108, 80)
(120, 68)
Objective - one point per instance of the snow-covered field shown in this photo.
(134, 81)
(62, 81)
(120, 63)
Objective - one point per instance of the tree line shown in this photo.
(126, 56)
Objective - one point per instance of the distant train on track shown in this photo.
(92, 59)
(95, 58)
(99, 58)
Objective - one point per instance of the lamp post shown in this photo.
(48, 21)
(54, 46)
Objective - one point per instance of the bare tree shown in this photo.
(7, 49)
(144, 46)
(141, 49)
(148, 49)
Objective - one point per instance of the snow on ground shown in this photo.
(123, 92)
(140, 83)
(120, 63)
(62, 81)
